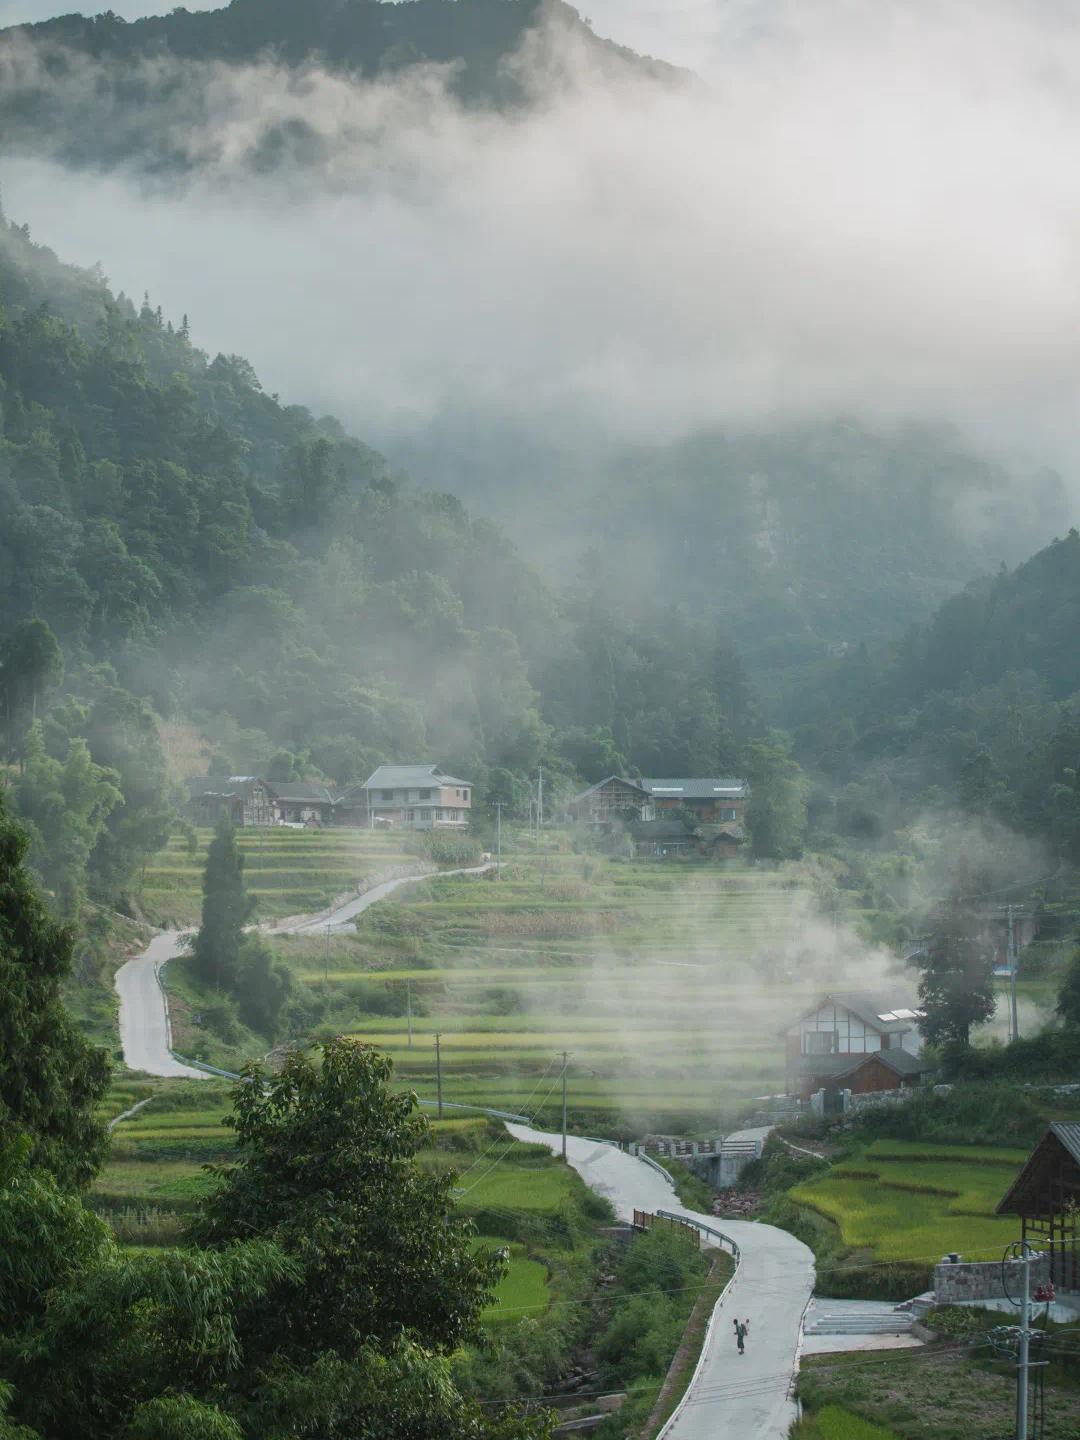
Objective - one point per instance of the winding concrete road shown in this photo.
(144, 1020)
(731, 1397)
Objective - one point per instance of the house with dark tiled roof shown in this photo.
(1046, 1196)
(302, 802)
(246, 799)
(854, 1041)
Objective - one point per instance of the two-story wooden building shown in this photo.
(854, 1041)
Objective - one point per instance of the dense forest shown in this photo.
(177, 543)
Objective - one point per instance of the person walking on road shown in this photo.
(740, 1336)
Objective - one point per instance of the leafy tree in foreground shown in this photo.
(51, 1078)
(226, 909)
(389, 1284)
(957, 985)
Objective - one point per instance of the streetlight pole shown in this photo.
(1025, 1347)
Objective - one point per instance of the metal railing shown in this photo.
(705, 1229)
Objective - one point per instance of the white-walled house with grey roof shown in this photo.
(408, 797)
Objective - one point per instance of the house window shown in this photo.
(465, 796)
(388, 794)
(727, 812)
(425, 794)
(820, 1042)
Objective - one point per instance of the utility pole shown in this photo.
(326, 959)
(408, 1007)
(1023, 1368)
(1014, 961)
(438, 1070)
(498, 839)
(565, 1062)
(539, 804)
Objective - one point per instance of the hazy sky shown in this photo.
(872, 210)
(20, 12)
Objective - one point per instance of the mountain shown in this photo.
(979, 708)
(101, 91)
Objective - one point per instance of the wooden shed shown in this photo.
(1046, 1196)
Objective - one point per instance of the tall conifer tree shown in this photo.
(226, 909)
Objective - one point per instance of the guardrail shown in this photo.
(655, 1165)
(705, 1229)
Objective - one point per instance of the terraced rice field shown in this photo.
(915, 1202)
(155, 1177)
(667, 985)
(289, 872)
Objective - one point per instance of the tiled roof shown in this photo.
(833, 1066)
(410, 777)
(618, 779)
(301, 790)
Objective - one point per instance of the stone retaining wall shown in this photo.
(982, 1280)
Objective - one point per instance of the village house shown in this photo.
(1046, 1196)
(302, 802)
(249, 800)
(246, 800)
(669, 818)
(409, 797)
(853, 1041)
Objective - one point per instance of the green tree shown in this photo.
(31, 664)
(957, 985)
(66, 806)
(51, 1078)
(776, 814)
(389, 1283)
(1068, 1001)
(226, 909)
(261, 988)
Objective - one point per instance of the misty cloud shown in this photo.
(866, 212)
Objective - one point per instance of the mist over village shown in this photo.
(539, 720)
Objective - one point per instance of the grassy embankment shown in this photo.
(665, 984)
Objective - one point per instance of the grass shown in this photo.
(685, 1362)
(904, 1201)
(524, 1291)
(941, 1392)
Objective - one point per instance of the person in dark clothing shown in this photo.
(740, 1337)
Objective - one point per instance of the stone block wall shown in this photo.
(982, 1280)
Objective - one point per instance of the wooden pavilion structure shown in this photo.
(1046, 1196)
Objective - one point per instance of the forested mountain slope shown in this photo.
(980, 706)
(201, 551)
(101, 90)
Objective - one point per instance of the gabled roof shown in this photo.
(301, 790)
(887, 1013)
(725, 788)
(835, 1066)
(1062, 1140)
(409, 777)
(618, 780)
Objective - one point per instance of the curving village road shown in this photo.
(144, 1018)
(731, 1397)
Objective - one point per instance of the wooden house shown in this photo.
(613, 801)
(853, 1041)
(302, 802)
(246, 800)
(1046, 1196)
(717, 801)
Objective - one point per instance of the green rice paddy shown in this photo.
(915, 1202)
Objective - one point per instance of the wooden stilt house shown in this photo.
(1046, 1196)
